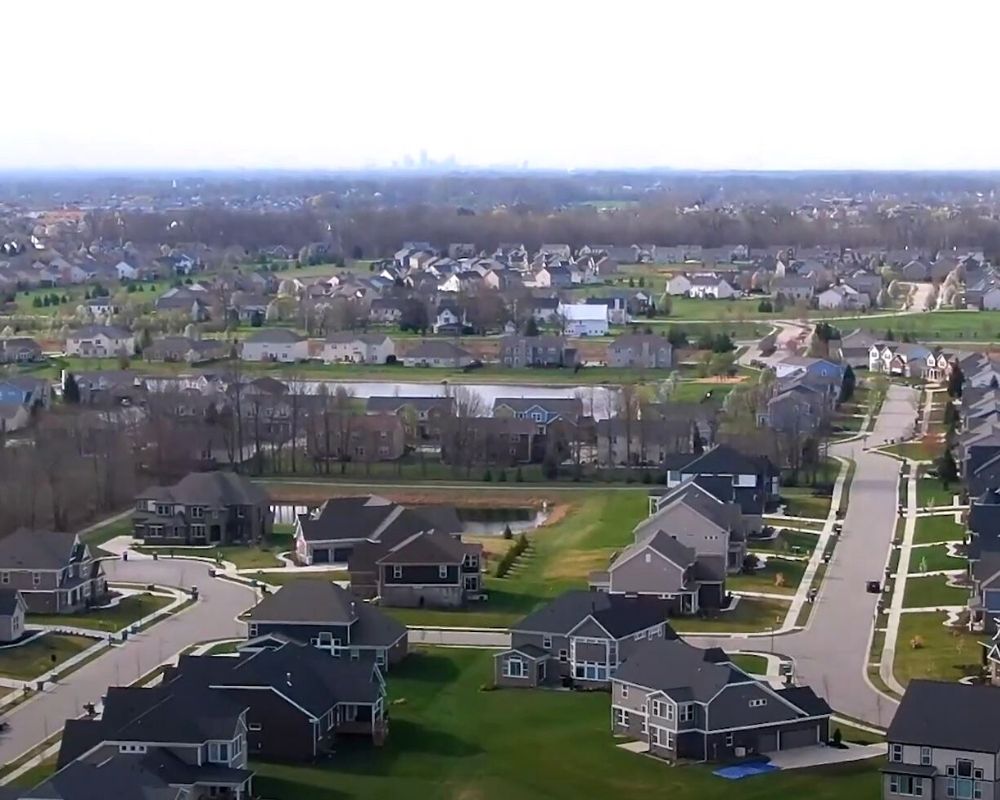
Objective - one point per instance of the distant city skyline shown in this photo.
(717, 85)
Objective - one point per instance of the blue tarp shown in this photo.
(737, 771)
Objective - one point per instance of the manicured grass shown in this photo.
(755, 665)
(751, 614)
(785, 541)
(129, 610)
(938, 528)
(945, 653)
(595, 526)
(932, 591)
(450, 740)
(855, 735)
(930, 492)
(34, 776)
(222, 648)
(800, 502)
(765, 579)
(244, 557)
(923, 450)
(934, 558)
(98, 536)
(35, 658)
(281, 578)
(944, 326)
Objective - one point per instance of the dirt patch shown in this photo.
(722, 379)
(475, 495)
(577, 564)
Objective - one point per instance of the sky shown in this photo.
(687, 84)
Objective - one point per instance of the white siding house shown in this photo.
(584, 320)
(275, 345)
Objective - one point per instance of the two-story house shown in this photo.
(543, 411)
(437, 353)
(357, 348)
(203, 508)
(324, 615)
(643, 351)
(100, 341)
(944, 742)
(753, 481)
(424, 414)
(150, 742)
(356, 437)
(536, 351)
(693, 704)
(275, 344)
(55, 572)
(19, 350)
(426, 569)
(299, 701)
(579, 639)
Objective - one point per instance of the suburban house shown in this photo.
(579, 639)
(182, 349)
(536, 351)
(450, 318)
(711, 286)
(554, 277)
(679, 285)
(794, 287)
(358, 348)
(753, 481)
(908, 360)
(387, 310)
(437, 353)
(329, 618)
(818, 373)
(99, 341)
(24, 390)
(426, 569)
(687, 703)
(299, 701)
(944, 742)
(584, 319)
(275, 344)
(55, 572)
(357, 437)
(330, 533)
(543, 411)
(643, 351)
(12, 610)
(204, 508)
(502, 441)
(617, 305)
(19, 350)
(168, 742)
(843, 296)
(424, 413)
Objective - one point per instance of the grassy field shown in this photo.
(930, 492)
(41, 654)
(932, 591)
(944, 326)
(751, 614)
(766, 578)
(98, 536)
(923, 450)
(537, 745)
(755, 665)
(801, 502)
(244, 557)
(786, 541)
(281, 578)
(938, 528)
(934, 558)
(943, 653)
(129, 610)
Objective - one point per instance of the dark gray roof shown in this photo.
(375, 518)
(571, 407)
(8, 601)
(275, 335)
(123, 777)
(426, 547)
(620, 616)
(954, 716)
(307, 601)
(679, 669)
(28, 549)
(437, 349)
(210, 488)
(379, 403)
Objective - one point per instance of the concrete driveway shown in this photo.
(831, 654)
(213, 616)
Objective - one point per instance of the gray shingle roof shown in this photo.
(28, 549)
(953, 716)
(210, 488)
(620, 616)
(307, 601)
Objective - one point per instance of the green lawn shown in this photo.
(281, 578)
(755, 665)
(450, 740)
(944, 653)
(930, 492)
(786, 540)
(923, 450)
(765, 579)
(751, 614)
(938, 528)
(944, 326)
(36, 657)
(932, 591)
(244, 557)
(934, 558)
(98, 536)
(129, 610)
(800, 502)
(855, 735)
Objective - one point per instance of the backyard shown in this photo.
(926, 648)
(766, 579)
(538, 745)
(34, 658)
(940, 326)
(800, 501)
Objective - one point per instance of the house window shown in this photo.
(197, 512)
(36, 578)
(643, 726)
(255, 726)
(563, 656)
(513, 668)
(131, 748)
(218, 752)
(4, 577)
(163, 509)
(640, 635)
(547, 642)
(625, 694)
(662, 738)
(658, 710)
(252, 630)
(896, 752)
(668, 711)
(687, 712)
(925, 756)
(197, 531)
(442, 571)
(906, 785)
(758, 703)
(397, 571)
(621, 717)
(730, 738)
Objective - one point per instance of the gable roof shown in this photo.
(426, 547)
(218, 488)
(954, 716)
(28, 549)
(307, 601)
(619, 616)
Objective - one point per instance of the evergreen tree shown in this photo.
(71, 391)
(531, 327)
(956, 382)
(947, 468)
(697, 446)
(848, 384)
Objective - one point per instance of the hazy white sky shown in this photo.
(586, 83)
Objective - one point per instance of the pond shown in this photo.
(476, 520)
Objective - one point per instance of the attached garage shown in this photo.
(320, 555)
(767, 741)
(801, 737)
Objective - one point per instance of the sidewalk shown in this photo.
(899, 586)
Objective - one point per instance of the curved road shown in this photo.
(213, 616)
(831, 653)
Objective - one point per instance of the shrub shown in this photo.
(502, 476)
(508, 558)
(507, 532)
(837, 737)
(487, 476)
(518, 476)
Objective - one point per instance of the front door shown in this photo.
(215, 533)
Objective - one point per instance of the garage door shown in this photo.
(767, 742)
(799, 738)
(321, 556)
(341, 554)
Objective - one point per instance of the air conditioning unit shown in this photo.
(740, 752)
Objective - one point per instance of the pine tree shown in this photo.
(947, 469)
(956, 381)
(848, 384)
(71, 391)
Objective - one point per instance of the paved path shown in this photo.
(213, 617)
(831, 653)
